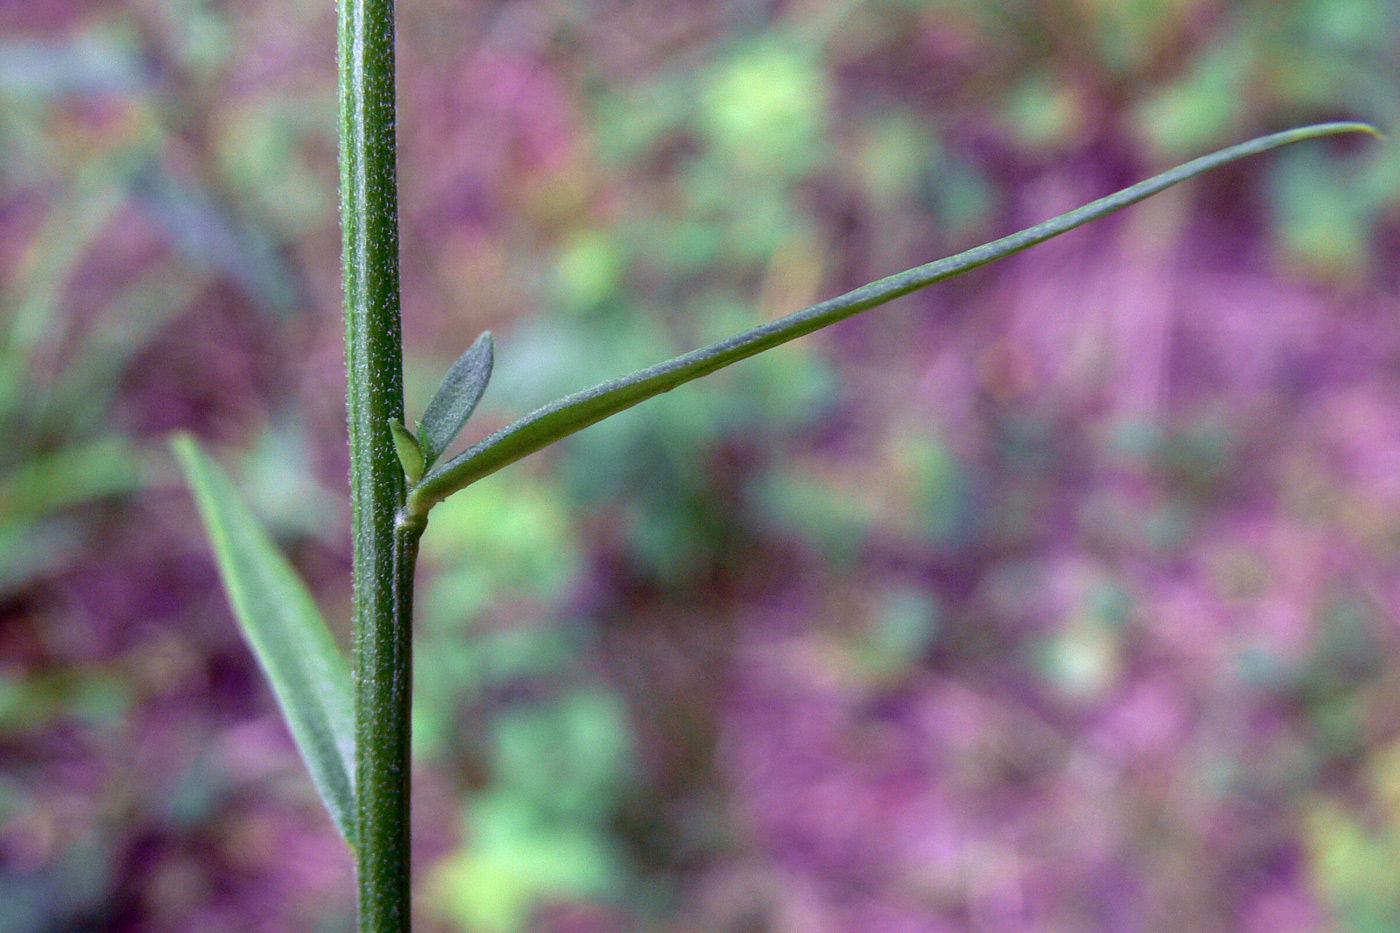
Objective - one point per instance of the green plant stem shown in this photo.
(383, 556)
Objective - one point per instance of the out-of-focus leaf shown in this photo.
(68, 476)
(33, 702)
(286, 632)
(93, 197)
(456, 398)
(82, 395)
(202, 230)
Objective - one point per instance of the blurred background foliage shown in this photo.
(1061, 596)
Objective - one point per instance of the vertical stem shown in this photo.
(383, 572)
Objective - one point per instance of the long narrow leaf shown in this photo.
(575, 412)
(286, 632)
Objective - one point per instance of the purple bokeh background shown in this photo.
(1061, 596)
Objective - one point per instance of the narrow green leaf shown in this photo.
(286, 632)
(564, 416)
(410, 453)
(456, 398)
(44, 484)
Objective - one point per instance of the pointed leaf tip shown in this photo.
(457, 397)
(408, 449)
(285, 629)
